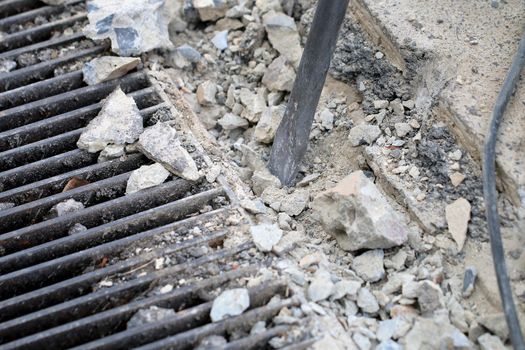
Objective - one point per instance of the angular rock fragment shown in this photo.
(283, 35)
(146, 176)
(232, 302)
(431, 334)
(133, 26)
(267, 126)
(429, 297)
(363, 134)
(210, 10)
(367, 301)
(76, 228)
(206, 93)
(359, 216)
(369, 265)
(220, 40)
(457, 214)
(111, 152)
(161, 144)
(321, 286)
(184, 56)
(150, 315)
(68, 206)
(6, 65)
(106, 68)
(265, 236)
(490, 342)
(469, 279)
(119, 122)
(231, 121)
(279, 75)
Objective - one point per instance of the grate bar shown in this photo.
(12, 7)
(79, 285)
(99, 300)
(95, 172)
(98, 235)
(43, 70)
(245, 321)
(43, 32)
(184, 320)
(32, 14)
(48, 44)
(71, 120)
(38, 110)
(256, 341)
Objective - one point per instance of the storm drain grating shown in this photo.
(163, 246)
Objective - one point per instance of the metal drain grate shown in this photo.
(59, 290)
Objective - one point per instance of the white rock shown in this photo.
(161, 144)
(363, 134)
(283, 35)
(432, 334)
(265, 236)
(118, 122)
(210, 10)
(456, 155)
(321, 286)
(150, 315)
(380, 104)
(133, 26)
(389, 345)
(106, 68)
(263, 179)
(367, 301)
(294, 203)
(327, 119)
(490, 342)
(346, 288)
(402, 129)
(231, 121)
(146, 176)
(111, 152)
(279, 75)
(369, 265)
(76, 228)
(6, 65)
(397, 107)
(220, 40)
(358, 216)
(267, 126)
(362, 342)
(68, 206)
(206, 93)
(232, 302)
(457, 214)
(254, 103)
(184, 56)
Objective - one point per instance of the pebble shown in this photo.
(363, 134)
(7, 65)
(265, 236)
(76, 228)
(106, 68)
(397, 107)
(429, 297)
(220, 40)
(367, 301)
(231, 121)
(410, 104)
(456, 155)
(150, 315)
(111, 152)
(456, 178)
(206, 93)
(310, 259)
(327, 119)
(294, 203)
(397, 261)
(346, 288)
(321, 286)
(469, 280)
(232, 302)
(145, 177)
(255, 206)
(457, 215)
(369, 265)
(279, 76)
(402, 129)
(68, 206)
(210, 10)
(379, 55)
(267, 126)
(414, 172)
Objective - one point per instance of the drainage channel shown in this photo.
(163, 246)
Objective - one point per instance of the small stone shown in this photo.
(490, 342)
(206, 93)
(327, 119)
(429, 297)
(212, 342)
(389, 345)
(161, 144)
(6, 65)
(363, 134)
(210, 10)
(456, 178)
(457, 215)
(358, 216)
(68, 206)
(279, 76)
(296, 275)
(321, 287)
(369, 265)
(145, 177)
(367, 301)
(496, 324)
(432, 334)
(414, 124)
(265, 236)
(294, 203)
(397, 261)
(310, 259)
(166, 289)
(231, 121)
(409, 104)
(232, 302)
(397, 107)
(456, 155)
(414, 172)
(267, 126)
(362, 342)
(469, 280)
(262, 179)
(402, 129)
(346, 288)
(184, 56)
(150, 315)
(254, 103)
(283, 35)
(379, 55)
(118, 122)
(255, 206)
(106, 68)
(76, 228)
(111, 152)
(381, 104)
(305, 181)
(220, 40)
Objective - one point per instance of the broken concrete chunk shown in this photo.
(363, 134)
(358, 215)
(321, 286)
(146, 176)
(76, 228)
(206, 93)
(279, 75)
(283, 35)
(184, 56)
(6, 65)
(161, 144)
(457, 214)
(265, 236)
(367, 301)
(267, 126)
(133, 26)
(429, 297)
(294, 203)
(68, 206)
(107, 68)
(150, 315)
(118, 122)
(254, 104)
(210, 10)
(232, 302)
(220, 40)
(231, 121)
(369, 265)
(111, 152)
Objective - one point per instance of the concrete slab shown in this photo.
(472, 43)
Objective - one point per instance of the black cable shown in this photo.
(491, 196)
